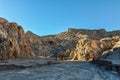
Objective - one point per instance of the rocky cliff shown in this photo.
(87, 49)
(74, 44)
(13, 42)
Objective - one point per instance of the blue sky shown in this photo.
(45, 17)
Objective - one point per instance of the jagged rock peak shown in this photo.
(2, 20)
(31, 34)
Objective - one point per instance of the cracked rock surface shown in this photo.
(63, 71)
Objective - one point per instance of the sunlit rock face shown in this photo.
(87, 49)
(74, 44)
(12, 41)
(87, 44)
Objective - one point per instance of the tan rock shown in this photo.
(13, 42)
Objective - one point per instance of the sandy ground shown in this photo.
(69, 70)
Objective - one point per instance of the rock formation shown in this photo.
(13, 42)
(98, 47)
(109, 61)
(41, 46)
(87, 49)
(74, 44)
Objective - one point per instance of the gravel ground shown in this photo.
(63, 71)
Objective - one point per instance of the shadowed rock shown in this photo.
(24, 63)
(109, 61)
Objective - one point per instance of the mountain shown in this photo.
(74, 44)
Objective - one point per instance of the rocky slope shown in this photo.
(13, 42)
(87, 49)
(74, 44)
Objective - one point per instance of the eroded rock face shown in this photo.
(13, 42)
(41, 46)
(75, 44)
(87, 49)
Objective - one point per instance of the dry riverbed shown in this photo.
(51, 70)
